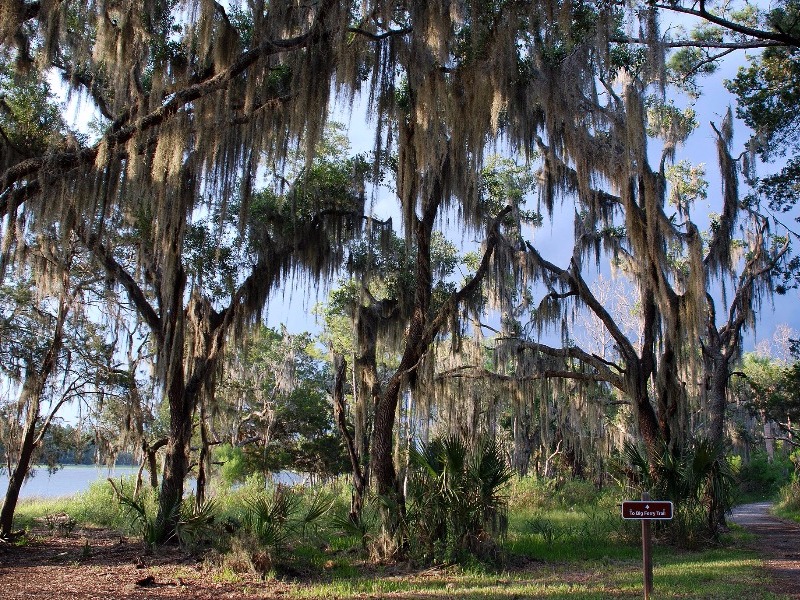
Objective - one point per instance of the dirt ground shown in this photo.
(777, 541)
(97, 564)
(91, 563)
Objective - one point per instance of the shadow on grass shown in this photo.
(717, 574)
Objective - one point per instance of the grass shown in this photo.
(719, 574)
(97, 506)
(578, 551)
(563, 542)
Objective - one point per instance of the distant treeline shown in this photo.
(64, 444)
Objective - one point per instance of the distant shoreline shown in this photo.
(67, 480)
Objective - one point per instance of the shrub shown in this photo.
(285, 513)
(533, 494)
(698, 480)
(789, 504)
(364, 527)
(761, 479)
(195, 525)
(234, 466)
(196, 528)
(140, 513)
(98, 505)
(457, 499)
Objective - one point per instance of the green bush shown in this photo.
(231, 500)
(197, 526)
(362, 530)
(286, 513)
(760, 479)
(535, 494)
(788, 506)
(531, 493)
(139, 512)
(457, 499)
(98, 504)
(578, 493)
(234, 466)
(698, 480)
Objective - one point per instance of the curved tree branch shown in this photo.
(116, 271)
(780, 37)
(475, 372)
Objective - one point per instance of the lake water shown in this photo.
(68, 480)
(71, 479)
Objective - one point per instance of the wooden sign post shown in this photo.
(646, 510)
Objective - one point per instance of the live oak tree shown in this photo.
(271, 404)
(376, 303)
(602, 159)
(53, 350)
(45, 295)
(167, 151)
(767, 388)
(191, 315)
(768, 96)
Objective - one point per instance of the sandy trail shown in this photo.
(778, 542)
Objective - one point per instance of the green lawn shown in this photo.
(554, 550)
(718, 574)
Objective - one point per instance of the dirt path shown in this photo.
(777, 540)
(96, 564)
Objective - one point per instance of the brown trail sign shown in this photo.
(647, 510)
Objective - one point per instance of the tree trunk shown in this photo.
(181, 407)
(339, 413)
(203, 461)
(392, 506)
(717, 404)
(521, 455)
(717, 400)
(152, 463)
(645, 414)
(31, 394)
(769, 438)
(184, 391)
(17, 476)
(386, 407)
(637, 381)
(176, 466)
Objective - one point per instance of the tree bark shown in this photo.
(203, 461)
(521, 456)
(176, 461)
(172, 353)
(31, 394)
(339, 413)
(150, 463)
(717, 399)
(367, 387)
(386, 407)
(153, 463)
(769, 438)
(17, 477)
